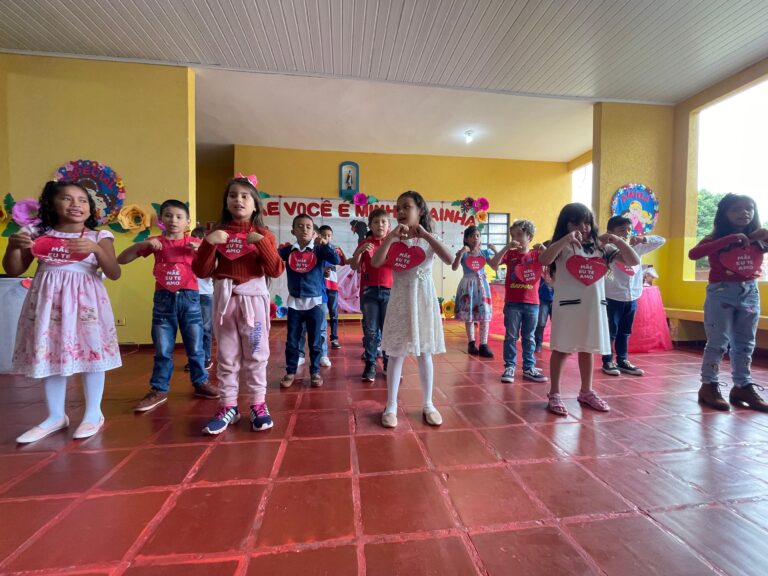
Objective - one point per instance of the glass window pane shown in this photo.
(498, 218)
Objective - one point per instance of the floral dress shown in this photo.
(413, 325)
(66, 324)
(473, 296)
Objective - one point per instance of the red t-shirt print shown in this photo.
(523, 276)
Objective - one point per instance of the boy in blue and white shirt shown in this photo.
(623, 288)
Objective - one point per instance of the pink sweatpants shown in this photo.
(242, 349)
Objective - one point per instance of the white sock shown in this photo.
(93, 388)
(425, 375)
(484, 328)
(55, 397)
(394, 371)
(470, 331)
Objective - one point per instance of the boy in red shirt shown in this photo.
(521, 300)
(176, 304)
(375, 285)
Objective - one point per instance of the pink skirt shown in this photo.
(66, 326)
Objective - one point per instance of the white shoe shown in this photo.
(325, 361)
(433, 418)
(389, 420)
(302, 360)
(88, 429)
(38, 432)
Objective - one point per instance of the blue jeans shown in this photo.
(373, 305)
(173, 311)
(313, 318)
(206, 307)
(520, 320)
(621, 316)
(545, 311)
(333, 313)
(323, 336)
(731, 312)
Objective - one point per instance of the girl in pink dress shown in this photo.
(66, 325)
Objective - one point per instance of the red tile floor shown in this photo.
(657, 486)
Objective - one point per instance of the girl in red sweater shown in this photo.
(240, 254)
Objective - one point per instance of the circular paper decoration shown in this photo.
(103, 184)
(638, 203)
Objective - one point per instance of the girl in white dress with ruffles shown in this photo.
(413, 326)
(66, 325)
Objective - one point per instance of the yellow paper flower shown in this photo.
(449, 308)
(482, 217)
(3, 214)
(134, 217)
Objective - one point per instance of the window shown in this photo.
(581, 185)
(731, 158)
(495, 232)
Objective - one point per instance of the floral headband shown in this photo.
(251, 178)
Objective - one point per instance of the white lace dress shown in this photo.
(413, 325)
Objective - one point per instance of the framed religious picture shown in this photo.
(349, 179)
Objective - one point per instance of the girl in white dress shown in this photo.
(578, 260)
(66, 325)
(413, 326)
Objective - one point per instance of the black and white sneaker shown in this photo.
(628, 368)
(224, 416)
(534, 374)
(611, 369)
(260, 418)
(369, 374)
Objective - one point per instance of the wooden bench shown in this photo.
(686, 325)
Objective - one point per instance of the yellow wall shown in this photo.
(684, 189)
(524, 189)
(633, 143)
(138, 119)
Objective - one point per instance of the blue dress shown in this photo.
(473, 296)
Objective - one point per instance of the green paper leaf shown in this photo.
(278, 300)
(157, 207)
(264, 195)
(480, 227)
(348, 196)
(456, 203)
(8, 202)
(141, 236)
(11, 228)
(117, 228)
(372, 199)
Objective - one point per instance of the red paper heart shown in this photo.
(52, 250)
(236, 246)
(586, 270)
(528, 272)
(172, 276)
(403, 257)
(302, 262)
(746, 261)
(628, 270)
(474, 263)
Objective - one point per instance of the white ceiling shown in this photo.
(656, 51)
(324, 114)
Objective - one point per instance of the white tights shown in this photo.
(484, 329)
(395, 370)
(56, 395)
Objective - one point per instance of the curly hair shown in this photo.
(48, 216)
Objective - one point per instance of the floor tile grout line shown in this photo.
(357, 504)
(24, 474)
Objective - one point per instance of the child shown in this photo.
(546, 296)
(412, 326)
(325, 361)
(205, 287)
(732, 305)
(579, 258)
(66, 325)
(176, 305)
(240, 254)
(375, 286)
(623, 288)
(521, 300)
(473, 296)
(332, 287)
(305, 296)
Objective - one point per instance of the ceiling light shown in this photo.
(469, 136)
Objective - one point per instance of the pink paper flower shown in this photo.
(360, 199)
(25, 212)
(481, 205)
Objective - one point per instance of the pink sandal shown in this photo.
(556, 406)
(594, 401)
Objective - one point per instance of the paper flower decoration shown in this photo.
(482, 217)
(281, 311)
(25, 212)
(360, 199)
(3, 214)
(481, 205)
(449, 308)
(467, 204)
(134, 217)
(272, 310)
